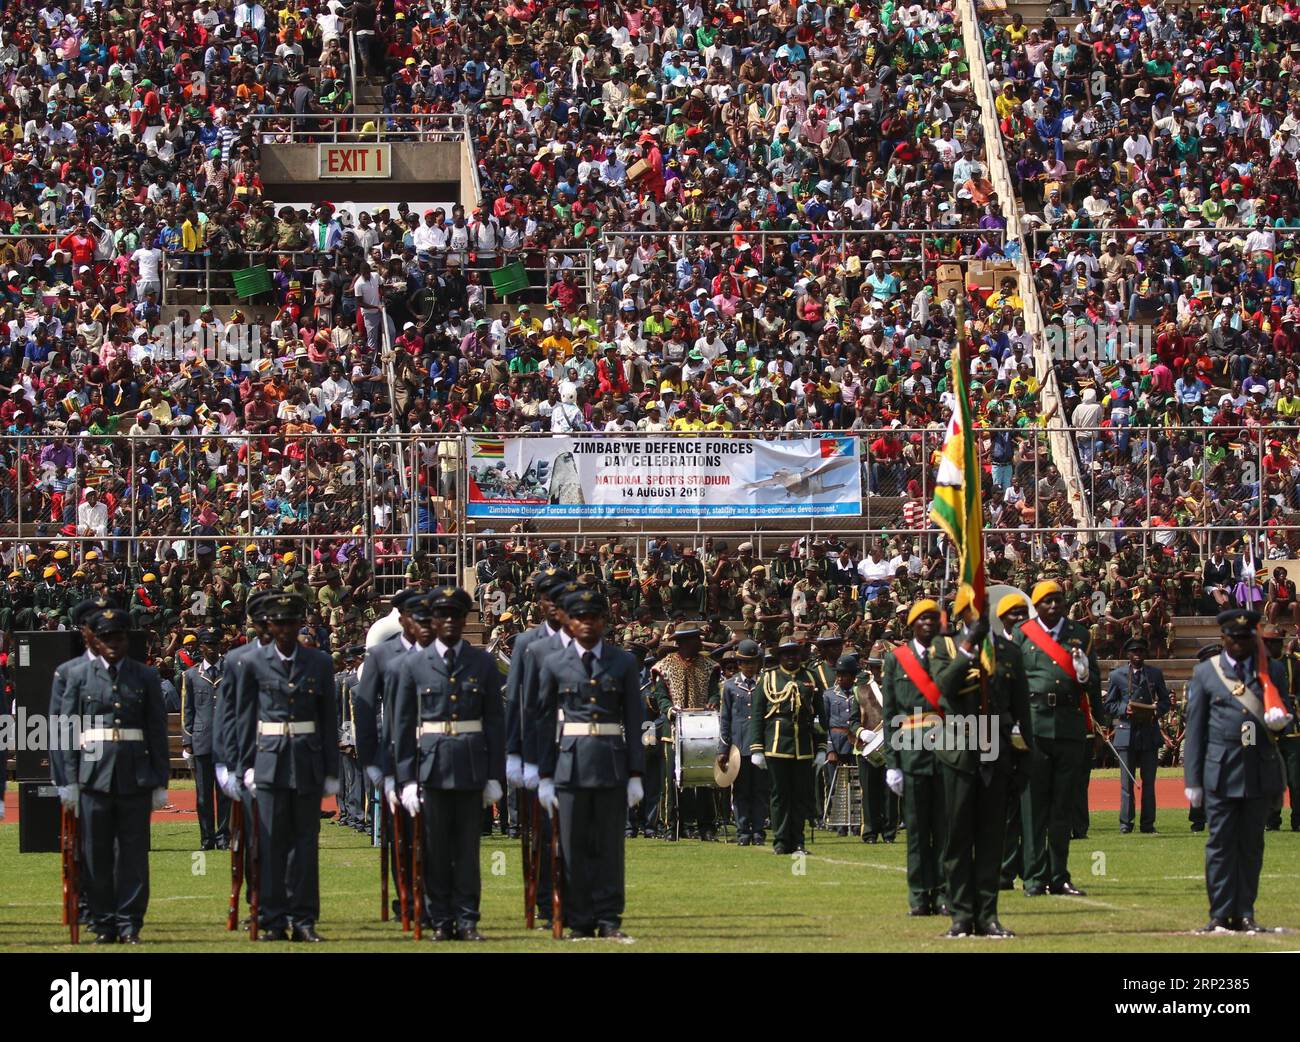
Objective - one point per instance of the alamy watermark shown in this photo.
(42, 733)
(1101, 343)
(955, 732)
(232, 344)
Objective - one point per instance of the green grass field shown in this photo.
(1145, 893)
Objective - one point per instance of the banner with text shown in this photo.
(663, 475)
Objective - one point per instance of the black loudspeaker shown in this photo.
(38, 818)
(37, 654)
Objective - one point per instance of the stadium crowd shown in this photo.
(716, 205)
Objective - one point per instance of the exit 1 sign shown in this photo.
(356, 161)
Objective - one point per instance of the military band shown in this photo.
(584, 728)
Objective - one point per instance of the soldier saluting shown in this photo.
(287, 729)
(1231, 764)
(590, 766)
(449, 752)
(199, 686)
(120, 700)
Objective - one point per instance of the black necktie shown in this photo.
(450, 659)
(1241, 672)
(587, 658)
(112, 670)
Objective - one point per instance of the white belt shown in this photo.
(291, 728)
(111, 734)
(451, 727)
(577, 730)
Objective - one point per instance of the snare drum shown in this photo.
(873, 749)
(696, 737)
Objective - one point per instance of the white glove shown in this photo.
(249, 783)
(159, 799)
(894, 779)
(635, 792)
(390, 792)
(331, 786)
(411, 798)
(185, 755)
(491, 792)
(374, 775)
(70, 797)
(1081, 671)
(546, 795)
(231, 788)
(531, 777)
(514, 771)
(819, 761)
(1276, 718)
(223, 776)
(759, 761)
(1195, 795)
(864, 735)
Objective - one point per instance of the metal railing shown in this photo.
(351, 127)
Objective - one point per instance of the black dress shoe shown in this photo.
(1007, 886)
(1067, 888)
(870, 837)
(581, 935)
(941, 907)
(470, 933)
(709, 837)
(223, 844)
(778, 850)
(1247, 924)
(106, 938)
(1198, 828)
(1035, 891)
(919, 910)
(743, 841)
(130, 938)
(993, 929)
(1124, 830)
(543, 924)
(611, 933)
(843, 831)
(208, 846)
(959, 929)
(1078, 835)
(273, 935)
(759, 840)
(1149, 832)
(442, 933)
(306, 934)
(1216, 926)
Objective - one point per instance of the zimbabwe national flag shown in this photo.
(832, 447)
(489, 449)
(958, 506)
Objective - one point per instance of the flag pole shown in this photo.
(975, 501)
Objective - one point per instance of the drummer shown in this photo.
(841, 706)
(750, 792)
(687, 680)
(879, 805)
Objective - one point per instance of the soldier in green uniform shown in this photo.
(786, 709)
(689, 587)
(1064, 698)
(49, 599)
(977, 775)
(911, 709)
(784, 570)
(829, 647)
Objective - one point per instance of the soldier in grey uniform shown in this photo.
(199, 687)
(750, 794)
(120, 703)
(590, 768)
(841, 702)
(643, 819)
(449, 752)
(287, 729)
(372, 711)
(521, 714)
(1232, 766)
(225, 745)
(1137, 737)
(352, 797)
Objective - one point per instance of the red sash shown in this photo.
(1046, 643)
(917, 675)
(185, 658)
(140, 592)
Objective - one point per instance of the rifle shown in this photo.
(557, 879)
(384, 829)
(236, 862)
(69, 844)
(524, 805)
(402, 881)
(255, 886)
(533, 866)
(417, 869)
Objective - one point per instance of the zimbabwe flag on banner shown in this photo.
(958, 506)
(832, 447)
(489, 449)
